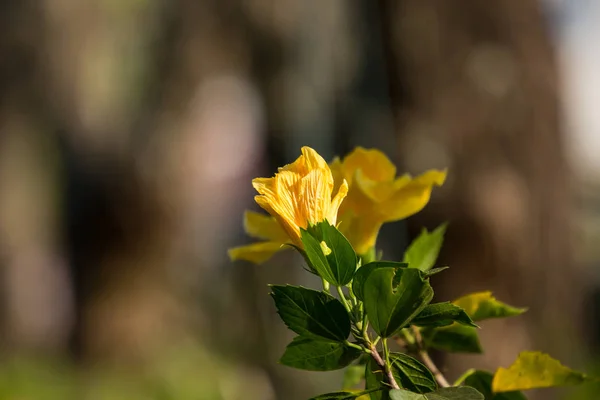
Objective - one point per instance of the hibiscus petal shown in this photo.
(412, 197)
(374, 164)
(336, 202)
(256, 253)
(264, 186)
(314, 197)
(432, 177)
(313, 159)
(375, 191)
(360, 231)
(263, 227)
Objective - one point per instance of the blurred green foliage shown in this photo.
(187, 373)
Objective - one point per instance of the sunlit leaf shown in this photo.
(483, 305)
(424, 250)
(435, 271)
(482, 381)
(534, 370)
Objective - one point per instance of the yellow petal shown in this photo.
(374, 191)
(309, 160)
(336, 202)
(361, 231)
(314, 197)
(313, 159)
(298, 166)
(412, 197)
(285, 204)
(432, 177)
(263, 227)
(264, 186)
(373, 163)
(256, 253)
(402, 181)
(336, 171)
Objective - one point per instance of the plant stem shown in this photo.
(352, 295)
(344, 300)
(424, 355)
(386, 351)
(365, 321)
(356, 346)
(439, 377)
(384, 366)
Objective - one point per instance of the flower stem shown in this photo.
(439, 377)
(325, 285)
(386, 351)
(352, 295)
(344, 300)
(365, 321)
(384, 366)
(424, 355)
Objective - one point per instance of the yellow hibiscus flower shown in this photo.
(376, 196)
(299, 195)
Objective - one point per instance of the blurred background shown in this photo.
(130, 131)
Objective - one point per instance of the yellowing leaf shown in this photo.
(534, 370)
(483, 305)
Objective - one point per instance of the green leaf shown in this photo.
(455, 338)
(483, 305)
(482, 381)
(391, 307)
(442, 314)
(408, 372)
(353, 375)
(363, 273)
(344, 395)
(435, 271)
(451, 393)
(424, 250)
(318, 355)
(411, 374)
(330, 254)
(533, 370)
(311, 313)
(336, 396)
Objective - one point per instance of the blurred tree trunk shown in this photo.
(34, 289)
(474, 88)
(117, 228)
